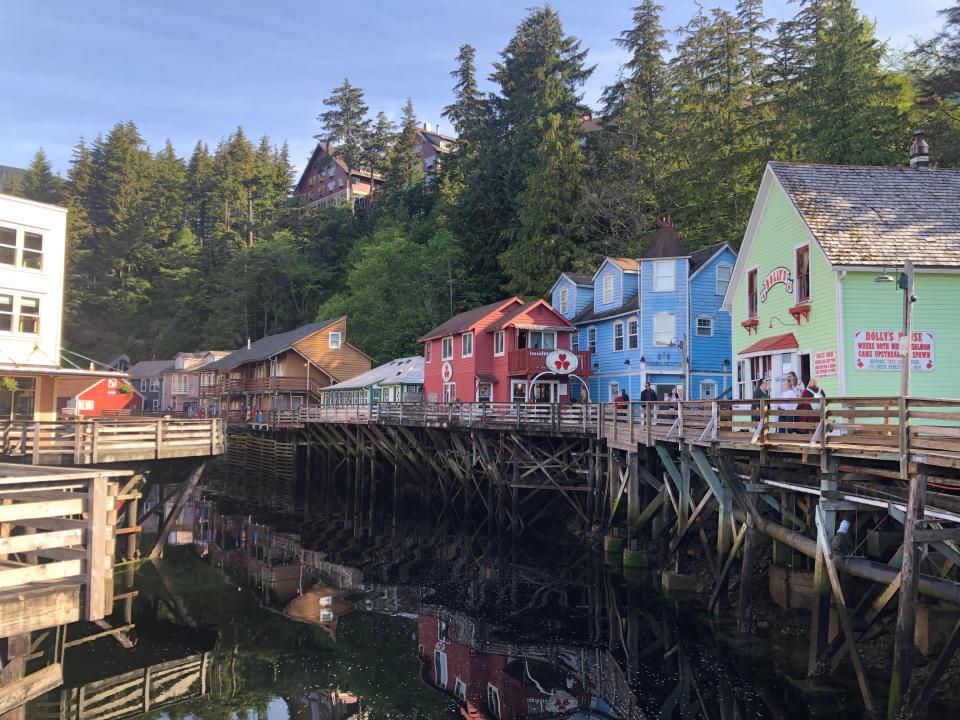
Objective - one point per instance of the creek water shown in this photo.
(440, 625)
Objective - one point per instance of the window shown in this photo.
(724, 271)
(334, 340)
(537, 340)
(154, 384)
(32, 251)
(575, 340)
(17, 401)
(803, 274)
(518, 391)
(331, 185)
(633, 338)
(6, 313)
(428, 350)
(466, 345)
(752, 293)
(708, 390)
(563, 299)
(498, 342)
(446, 348)
(607, 289)
(618, 336)
(460, 689)
(614, 390)
(30, 315)
(663, 275)
(8, 246)
(493, 700)
(704, 326)
(331, 170)
(664, 329)
(484, 392)
(156, 404)
(592, 339)
(449, 392)
(144, 384)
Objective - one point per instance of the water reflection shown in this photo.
(337, 622)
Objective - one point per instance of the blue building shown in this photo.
(656, 319)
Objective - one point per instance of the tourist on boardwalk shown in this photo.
(620, 402)
(762, 391)
(648, 394)
(674, 395)
(787, 397)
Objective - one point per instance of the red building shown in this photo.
(86, 397)
(500, 353)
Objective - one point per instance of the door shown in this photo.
(546, 391)
(440, 663)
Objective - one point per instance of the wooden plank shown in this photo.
(35, 608)
(933, 535)
(96, 550)
(19, 511)
(22, 691)
(26, 574)
(40, 541)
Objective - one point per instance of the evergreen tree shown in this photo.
(467, 111)
(934, 67)
(404, 173)
(10, 185)
(39, 183)
(346, 127)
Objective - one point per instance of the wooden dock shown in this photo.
(111, 440)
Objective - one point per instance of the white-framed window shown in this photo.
(708, 390)
(440, 661)
(575, 340)
(32, 256)
(446, 348)
(8, 246)
(614, 389)
(428, 351)
(154, 384)
(724, 271)
(704, 326)
(334, 341)
(607, 289)
(493, 700)
(466, 345)
(664, 329)
(633, 335)
(156, 404)
(6, 313)
(498, 343)
(564, 298)
(460, 689)
(144, 384)
(541, 340)
(484, 392)
(518, 391)
(29, 315)
(592, 339)
(618, 335)
(664, 275)
(449, 392)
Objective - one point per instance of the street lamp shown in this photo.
(905, 282)
(626, 364)
(679, 343)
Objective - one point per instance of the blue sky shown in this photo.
(195, 69)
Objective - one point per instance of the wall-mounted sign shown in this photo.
(825, 364)
(446, 372)
(775, 277)
(562, 362)
(880, 350)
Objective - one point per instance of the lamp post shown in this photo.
(905, 282)
(626, 364)
(681, 344)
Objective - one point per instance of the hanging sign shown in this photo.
(825, 364)
(446, 372)
(776, 277)
(562, 362)
(880, 350)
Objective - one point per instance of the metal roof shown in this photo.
(402, 371)
(268, 346)
(150, 368)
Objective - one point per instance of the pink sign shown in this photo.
(825, 364)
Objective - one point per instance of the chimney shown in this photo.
(248, 343)
(919, 151)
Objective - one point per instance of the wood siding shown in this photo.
(342, 363)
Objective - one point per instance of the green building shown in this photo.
(399, 380)
(808, 294)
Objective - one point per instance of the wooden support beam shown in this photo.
(820, 609)
(916, 705)
(20, 692)
(186, 488)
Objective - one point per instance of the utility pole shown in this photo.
(905, 283)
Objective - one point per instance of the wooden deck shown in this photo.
(109, 440)
(910, 432)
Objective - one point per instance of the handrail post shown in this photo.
(630, 420)
(680, 419)
(904, 438)
(764, 421)
(159, 437)
(94, 441)
(715, 417)
(36, 442)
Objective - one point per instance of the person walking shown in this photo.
(787, 397)
(762, 391)
(648, 394)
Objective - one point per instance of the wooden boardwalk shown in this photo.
(110, 440)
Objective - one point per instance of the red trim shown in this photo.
(750, 325)
(786, 341)
(800, 310)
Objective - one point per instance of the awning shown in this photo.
(487, 378)
(777, 343)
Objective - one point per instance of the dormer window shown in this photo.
(607, 289)
(724, 271)
(563, 300)
(664, 275)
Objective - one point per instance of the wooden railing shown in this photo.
(105, 440)
(56, 546)
(916, 429)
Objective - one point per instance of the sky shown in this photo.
(189, 70)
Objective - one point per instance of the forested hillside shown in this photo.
(173, 252)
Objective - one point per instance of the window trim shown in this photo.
(754, 273)
(25, 252)
(499, 338)
(339, 341)
(21, 315)
(494, 692)
(14, 246)
(617, 325)
(514, 384)
(696, 328)
(610, 389)
(673, 317)
(592, 341)
(704, 383)
(798, 300)
(11, 313)
(716, 281)
(673, 276)
(607, 279)
(428, 351)
(633, 338)
(453, 392)
(443, 348)
(563, 299)
(463, 345)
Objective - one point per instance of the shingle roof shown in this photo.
(588, 315)
(466, 320)
(580, 278)
(625, 263)
(699, 257)
(878, 215)
(407, 371)
(267, 346)
(665, 244)
(149, 368)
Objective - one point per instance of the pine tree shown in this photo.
(467, 110)
(199, 210)
(934, 67)
(39, 183)
(346, 127)
(10, 185)
(381, 139)
(404, 165)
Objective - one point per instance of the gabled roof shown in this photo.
(149, 368)
(330, 151)
(876, 216)
(269, 346)
(577, 278)
(588, 315)
(625, 264)
(514, 313)
(435, 138)
(786, 341)
(466, 320)
(665, 244)
(699, 258)
(402, 371)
